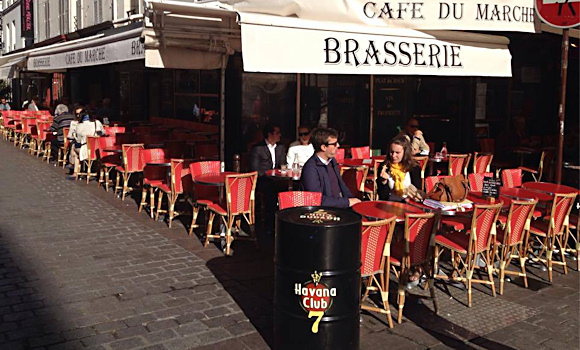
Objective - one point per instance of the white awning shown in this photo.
(9, 69)
(189, 36)
(125, 46)
(292, 45)
(481, 15)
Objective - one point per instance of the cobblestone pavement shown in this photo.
(79, 268)
(78, 271)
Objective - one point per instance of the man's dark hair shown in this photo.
(303, 127)
(320, 137)
(269, 129)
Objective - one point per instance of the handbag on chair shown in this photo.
(450, 189)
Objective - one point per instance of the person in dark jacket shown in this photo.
(268, 154)
(62, 119)
(265, 155)
(400, 173)
(320, 173)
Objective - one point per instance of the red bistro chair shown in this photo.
(476, 180)
(511, 240)
(292, 199)
(132, 163)
(24, 134)
(431, 181)
(203, 195)
(458, 164)
(92, 148)
(481, 162)
(360, 152)
(172, 189)
(371, 185)
(422, 161)
(549, 235)
(375, 247)
(63, 151)
(465, 247)
(108, 160)
(39, 145)
(511, 178)
(153, 176)
(240, 201)
(113, 130)
(417, 249)
(339, 155)
(355, 178)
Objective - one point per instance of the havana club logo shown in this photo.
(320, 216)
(315, 298)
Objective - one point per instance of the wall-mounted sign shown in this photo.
(27, 19)
(118, 51)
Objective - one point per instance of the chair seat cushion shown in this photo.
(458, 223)
(397, 249)
(204, 202)
(154, 182)
(456, 241)
(120, 168)
(217, 208)
(539, 228)
(163, 187)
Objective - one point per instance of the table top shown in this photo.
(438, 160)
(370, 162)
(525, 194)
(286, 175)
(113, 150)
(385, 209)
(549, 187)
(160, 162)
(213, 179)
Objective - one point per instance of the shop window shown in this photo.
(268, 98)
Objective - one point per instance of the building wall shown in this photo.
(60, 17)
(11, 38)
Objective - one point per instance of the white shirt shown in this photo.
(406, 182)
(272, 149)
(299, 152)
(325, 162)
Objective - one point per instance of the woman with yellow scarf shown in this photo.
(400, 171)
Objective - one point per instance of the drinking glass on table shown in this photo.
(283, 168)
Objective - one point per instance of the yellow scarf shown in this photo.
(398, 174)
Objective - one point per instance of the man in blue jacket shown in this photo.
(320, 173)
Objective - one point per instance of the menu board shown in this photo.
(389, 108)
(490, 187)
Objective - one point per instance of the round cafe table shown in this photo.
(523, 194)
(370, 162)
(213, 179)
(548, 187)
(380, 210)
(438, 160)
(288, 175)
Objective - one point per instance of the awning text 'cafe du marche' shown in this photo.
(367, 37)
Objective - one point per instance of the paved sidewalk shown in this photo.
(77, 272)
(80, 268)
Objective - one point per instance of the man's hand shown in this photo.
(418, 133)
(353, 201)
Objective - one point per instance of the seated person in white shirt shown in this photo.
(300, 150)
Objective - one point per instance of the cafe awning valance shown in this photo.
(481, 15)
(293, 45)
(100, 49)
(9, 69)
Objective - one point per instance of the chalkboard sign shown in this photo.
(490, 187)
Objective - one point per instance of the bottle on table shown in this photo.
(444, 150)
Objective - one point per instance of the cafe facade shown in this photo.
(237, 67)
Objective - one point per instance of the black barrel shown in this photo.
(317, 275)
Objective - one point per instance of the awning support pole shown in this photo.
(372, 110)
(298, 93)
(223, 107)
(562, 106)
